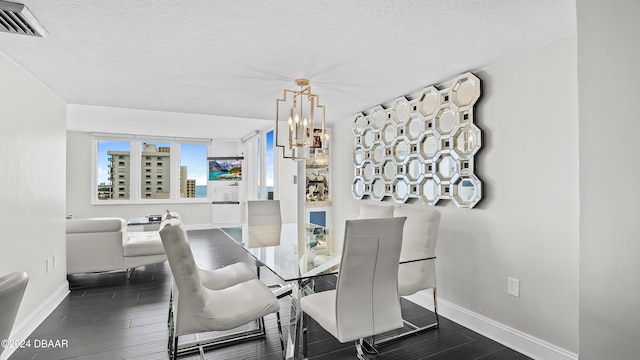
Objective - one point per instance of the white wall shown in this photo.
(608, 77)
(526, 226)
(32, 185)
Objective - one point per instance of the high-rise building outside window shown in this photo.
(193, 171)
(114, 166)
(120, 164)
(162, 153)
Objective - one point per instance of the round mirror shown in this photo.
(400, 110)
(447, 167)
(377, 153)
(429, 191)
(377, 189)
(466, 190)
(358, 189)
(429, 147)
(389, 133)
(429, 101)
(401, 190)
(367, 173)
(358, 156)
(359, 123)
(389, 170)
(367, 138)
(414, 168)
(446, 119)
(465, 91)
(466, 140)
(401, 150)
(378, 117)
(415, 127)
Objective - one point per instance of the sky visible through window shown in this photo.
(103, 158)
(194, 156)
(269, 157)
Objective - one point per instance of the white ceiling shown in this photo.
(234, 58)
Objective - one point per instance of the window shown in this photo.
(164, 170)
(269, 164)
(113, 159)
(193, 171)
(261, 166)
(162, 153)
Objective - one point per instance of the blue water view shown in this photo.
(201, 191)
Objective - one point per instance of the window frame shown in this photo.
(137, 176)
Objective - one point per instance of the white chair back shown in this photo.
(375, 211)
(263, 212)
(367, 301)
(420, 238)
(12, 287)
(183, 266)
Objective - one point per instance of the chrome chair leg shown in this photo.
(170, 315)
(370, 343)
(170, 341)
(435, 306)
(280, 334)
(359, 352)
(305, 341)
(174, 354)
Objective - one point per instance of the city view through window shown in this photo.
(115, 171)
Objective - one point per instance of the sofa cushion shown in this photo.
(95, 225)
(143, 243)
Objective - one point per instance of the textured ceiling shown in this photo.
(234, 58)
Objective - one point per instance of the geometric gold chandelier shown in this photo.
(300, 109)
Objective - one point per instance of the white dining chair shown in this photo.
(213, 279)
(264, 222)
(12, 287)
(369, 211)
(365, 301)
(198, 309)
(263, 212)
(419, 240)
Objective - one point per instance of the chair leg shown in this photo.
(280, 334)
(174, 354)
(369, 345)
(305, 340)
(435, 306)
(130, 272)
(359, 351)
(170, 315)
(170, 340)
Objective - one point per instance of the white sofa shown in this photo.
(104, 244)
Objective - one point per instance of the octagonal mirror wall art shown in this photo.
(420, 146)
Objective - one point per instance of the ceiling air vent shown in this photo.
(17, 19)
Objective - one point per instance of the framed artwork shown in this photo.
(225, 168)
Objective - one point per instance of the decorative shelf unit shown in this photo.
(317, 187)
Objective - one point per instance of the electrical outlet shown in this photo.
(48, 262)
(513, 287)
(55, 261)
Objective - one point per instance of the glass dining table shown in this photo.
(298, 254)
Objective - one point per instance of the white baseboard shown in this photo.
(22, 331)
(512, 338)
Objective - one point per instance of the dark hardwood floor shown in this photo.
(107, 316)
